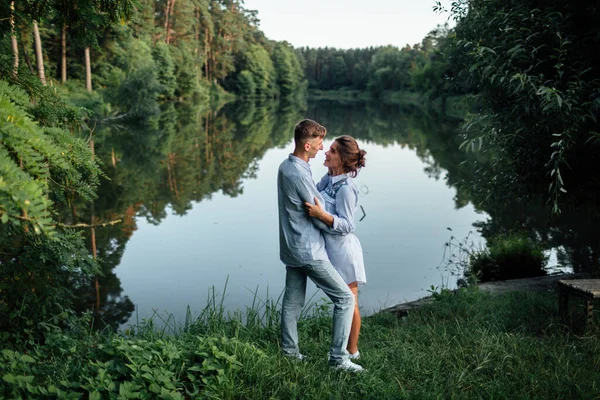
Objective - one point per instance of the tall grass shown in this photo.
(464, 345)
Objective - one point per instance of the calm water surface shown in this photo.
(204, 208)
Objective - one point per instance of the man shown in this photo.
(302, 249)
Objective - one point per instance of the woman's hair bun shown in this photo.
(361, 159)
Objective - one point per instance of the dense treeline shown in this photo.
(422, 67)
(167, 50)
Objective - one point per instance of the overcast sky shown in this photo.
(347, 23)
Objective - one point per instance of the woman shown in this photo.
(344, 159)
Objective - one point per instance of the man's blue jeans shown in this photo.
(329, 280)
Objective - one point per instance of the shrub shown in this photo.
(43, 166)
(38, 279)
(510, 256)
(121, 367)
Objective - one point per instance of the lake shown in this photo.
(196, 191)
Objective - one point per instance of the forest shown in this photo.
(74, 73)
(135, 54)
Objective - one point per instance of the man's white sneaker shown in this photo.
(352, 356)
(348, 365)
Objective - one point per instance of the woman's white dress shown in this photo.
(343, 247)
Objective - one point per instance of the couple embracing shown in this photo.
(316, 240)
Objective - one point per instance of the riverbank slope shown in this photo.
(467, 344)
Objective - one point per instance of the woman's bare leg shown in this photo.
(355, 330)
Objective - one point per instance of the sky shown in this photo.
(347, 23)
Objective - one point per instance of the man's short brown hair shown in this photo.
(308, 129)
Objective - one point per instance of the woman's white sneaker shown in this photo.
(354, 356)
(348, 365)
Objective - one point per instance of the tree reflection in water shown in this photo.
(181, 157)
(187, 154)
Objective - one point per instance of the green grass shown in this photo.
(464, 345)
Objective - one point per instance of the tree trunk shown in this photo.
(13, 40)
(170, 28)
(39, 57)
(167, 12)
(96, 281)
(93, 237)
(27, 60)
(88, 70)
(196, 31)
(63, 59)
(206, 54)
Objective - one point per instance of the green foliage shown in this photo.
(438, 293)
(439, 72)
(338, 71)
(380, 69)
(187, 52)
(538, 85)
(120, 367)
(257, 62)
(245, 84)
(331, 69)
(38, 277)
(92, 102)
(166, 69)
(290, 77)
(85, 18)
(390, 70)
(42, 168)
(131, 76)
(509, 256)
(38, 164)
(44, 104)
(188, 82)
(139, 91)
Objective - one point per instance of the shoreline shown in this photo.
(538, 283)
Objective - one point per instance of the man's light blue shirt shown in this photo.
(300, 238)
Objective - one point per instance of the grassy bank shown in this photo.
(464, 345)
